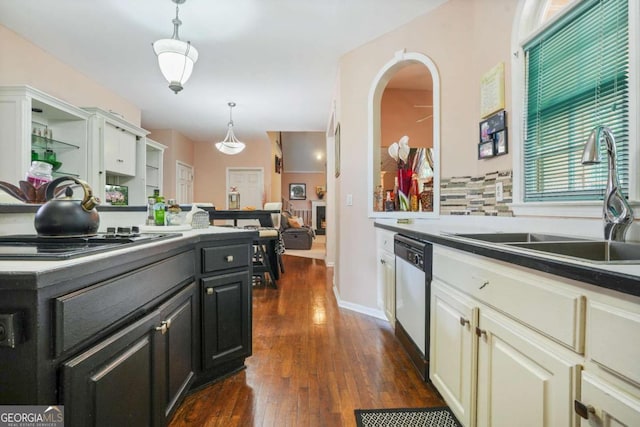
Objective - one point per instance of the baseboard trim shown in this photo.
(377, 313)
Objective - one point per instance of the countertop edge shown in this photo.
(594, 275)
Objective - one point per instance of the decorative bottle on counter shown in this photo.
(234, 198)
(396, 199)
(39, 173)
(151, 219)
(388, 203)
(158, 210)
(414, 193)
(426, 198)
(173, 213)
(378, 204)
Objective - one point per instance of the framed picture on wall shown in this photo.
(297, 191)
(500, 139)
(485, 150)
(278, 162)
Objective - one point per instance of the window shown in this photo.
(576, 77)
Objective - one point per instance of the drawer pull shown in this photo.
(382, 262)
(481, 333)
(228, 258)
(485, 283)
(583, 410)
(209, 291)
(464, 322)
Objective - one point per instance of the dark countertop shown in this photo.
(621, 278)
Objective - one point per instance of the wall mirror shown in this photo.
(404, 100)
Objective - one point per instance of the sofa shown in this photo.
(295, 235)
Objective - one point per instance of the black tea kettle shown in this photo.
(66, 217)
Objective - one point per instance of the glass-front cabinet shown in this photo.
(37, 126)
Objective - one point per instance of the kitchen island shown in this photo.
(524, 337)
(120, 337)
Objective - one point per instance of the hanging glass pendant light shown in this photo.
(175, 57)
(230, 145)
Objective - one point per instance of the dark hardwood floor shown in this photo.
(312, 364)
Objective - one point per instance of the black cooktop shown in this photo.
(32, 247)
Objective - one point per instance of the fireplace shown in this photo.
(319, 216)
(321, 219)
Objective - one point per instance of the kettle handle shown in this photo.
(88, 202)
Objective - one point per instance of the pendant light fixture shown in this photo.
(230, 145)
(175, 57)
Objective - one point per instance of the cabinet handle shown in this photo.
(485, 283)
(464, 322)
(481, 333)
(583, 410)
(382, 262)
(120, 161)
(228, 258)
(209, 291)
(162, 328)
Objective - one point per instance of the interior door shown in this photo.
(184, 183)
(249, 182)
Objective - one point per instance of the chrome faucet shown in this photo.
(616, 212)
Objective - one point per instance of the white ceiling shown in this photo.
(277, 59)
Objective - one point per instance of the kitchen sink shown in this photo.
(518, 237)
(597, 251)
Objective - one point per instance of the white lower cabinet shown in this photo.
(453, 348)
(602, 404)
(492, 368)
(523, 378)
(386, 273)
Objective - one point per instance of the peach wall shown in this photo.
(179, 148)
(399, 117)
(23, 63)
(464, 38)
(211, 168)
(312, 180)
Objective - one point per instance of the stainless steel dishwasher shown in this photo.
(413, 282)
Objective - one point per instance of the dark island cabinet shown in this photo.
(225, 290)
(138, 375)
(120, 341)
(226, 328)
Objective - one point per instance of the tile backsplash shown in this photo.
(476, 195)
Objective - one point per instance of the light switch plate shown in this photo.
(349, 199)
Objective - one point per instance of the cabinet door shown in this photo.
(119, 151)
(226, 316)
(388, 274)
(612, 407)
(452, 370)
(176, 354)
(112, 383)
(523, 378)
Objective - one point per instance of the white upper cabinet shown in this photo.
(155, 158)
(117, 154)
(37, 126)
(119, 151)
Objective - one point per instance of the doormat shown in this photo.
(406, 417)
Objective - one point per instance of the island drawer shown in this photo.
(87, 312)
(218, 258)
(538, 300)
